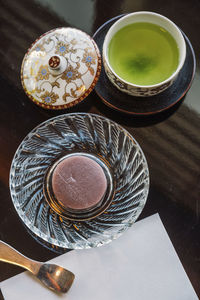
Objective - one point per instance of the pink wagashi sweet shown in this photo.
(79, 182)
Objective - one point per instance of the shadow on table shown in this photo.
(135, 120)
(1, 296)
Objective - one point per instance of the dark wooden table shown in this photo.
(170, 140)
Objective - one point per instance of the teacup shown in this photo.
(143, 53)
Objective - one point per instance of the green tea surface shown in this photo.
(143, 53)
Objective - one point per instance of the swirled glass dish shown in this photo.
(89, 134)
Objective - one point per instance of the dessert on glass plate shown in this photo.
(78, 181)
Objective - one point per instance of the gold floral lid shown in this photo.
(61, 68)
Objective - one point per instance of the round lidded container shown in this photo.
(61, 68)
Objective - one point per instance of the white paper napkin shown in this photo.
(140, 265)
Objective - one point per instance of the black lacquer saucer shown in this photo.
(114, 98)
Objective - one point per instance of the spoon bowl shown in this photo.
(52, 276)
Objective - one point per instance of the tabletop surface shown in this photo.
(170, 140)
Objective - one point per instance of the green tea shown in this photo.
(143, 53)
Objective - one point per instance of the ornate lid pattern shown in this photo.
(61, 68)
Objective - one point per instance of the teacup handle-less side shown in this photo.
(53, 276)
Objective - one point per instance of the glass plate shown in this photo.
(91, 135)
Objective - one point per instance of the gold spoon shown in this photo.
(54, 277)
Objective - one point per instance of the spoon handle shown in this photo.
(12, 256)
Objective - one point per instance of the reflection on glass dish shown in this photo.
(94, 137)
